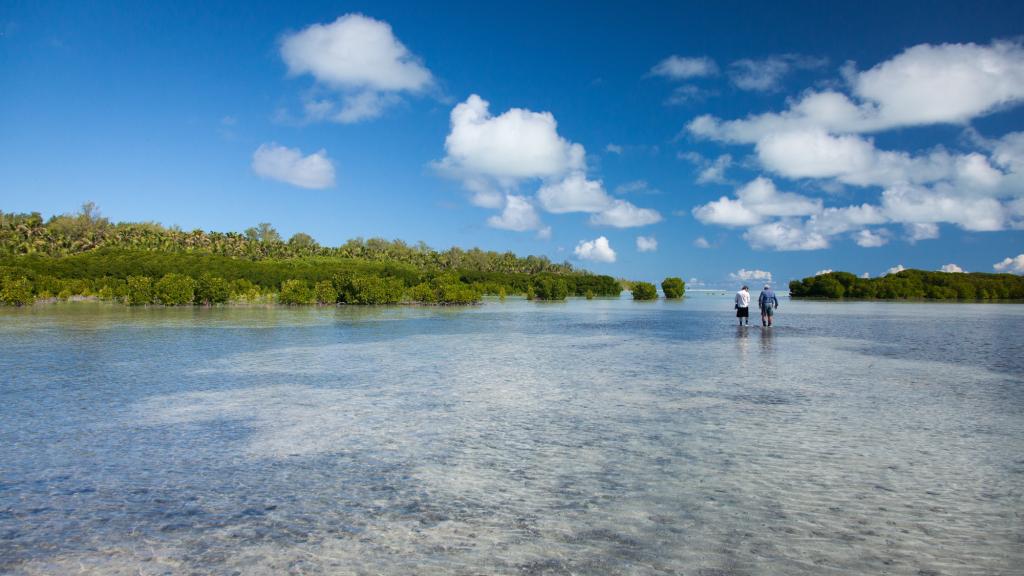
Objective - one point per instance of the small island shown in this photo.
(911, 285)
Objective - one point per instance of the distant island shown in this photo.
(912, 284)
(85, 255)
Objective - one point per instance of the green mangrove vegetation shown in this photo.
(644, 291)
(912, 284)
(86, 255)
(673, 288)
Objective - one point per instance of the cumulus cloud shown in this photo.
(766, 74)
(681, 68)
(574, 194)
(715, 171)
(614, 149)
(745, 275)
(823, 272)
(493, 155)
(361, 59)
(597, 250)
(917, 231)
(754, 202)
(821, 136)
(518, 215)
(1013, 265)
(894, 270)
(701, 242)
(784, 235)
(951, 268)
(871, 239)
(515, 145)
(275, 162)
(622, 214)
(926, 84)
(646, 243)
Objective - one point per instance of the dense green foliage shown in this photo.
(16, 291)
(912, 284)
(87, 230)
(85, 254)
(547, 288)
(175, 290)
(673, 287)
(644, 291)
(212, 289)
(295, 292)
(140, 290)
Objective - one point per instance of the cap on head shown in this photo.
(766, 286)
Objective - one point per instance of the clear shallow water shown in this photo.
(603, 437)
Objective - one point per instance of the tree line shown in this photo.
(87, 230)
(84, 254)
(912, 284)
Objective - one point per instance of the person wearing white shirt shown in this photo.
(743, 306)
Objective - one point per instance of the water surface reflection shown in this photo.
(591, 437)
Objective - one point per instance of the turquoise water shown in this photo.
(601, 437)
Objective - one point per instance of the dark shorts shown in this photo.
(768, 311)
(743, 312)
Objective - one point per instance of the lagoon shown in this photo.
(586, 437)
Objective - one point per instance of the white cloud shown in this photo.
(494, 155)
(951, 268)
(766, 74)
(1013, 265)
(894, 270)
(755, 201)
(926, 84)
(359, 57)
(819, 137)
(597, 250)
(574, 194)
(518, 215)
(701, 242)
(515, 145)
(622, 214)
(866, 275)
(646, 243)
(276, 162)
(823, 272)
(680, 68)
(614, 149)
(715, 171)
(917, 231)
(784, 235)
(942, 204)
(745, 275)
(947, 83)
(869, 239)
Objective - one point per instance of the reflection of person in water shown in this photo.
(766, 341)
(742, 344)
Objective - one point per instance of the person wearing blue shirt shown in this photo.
(768, 303)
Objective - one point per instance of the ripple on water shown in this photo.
(518, 440)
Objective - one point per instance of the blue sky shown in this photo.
(890, 133)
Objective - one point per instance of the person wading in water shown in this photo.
(767, 302)
(743, 306)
